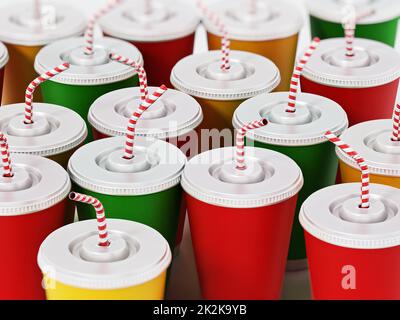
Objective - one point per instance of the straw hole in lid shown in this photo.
(383, 142)
(237, 71)
(43, 124)
(255, 172)
(361, 59)
(160, 109)
(78, 57)
(348, 209)
(262, 14)
(48, 18)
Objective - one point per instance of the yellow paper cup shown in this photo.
(272, 31)
(373, 141)
(132, 267)
(24, 35)
(220, 92)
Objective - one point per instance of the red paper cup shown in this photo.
(32, 205)
(3, 61)
(364, 85)
(164, 35)
(241, 221)
(353, 253)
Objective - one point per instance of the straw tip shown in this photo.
(264, 121)
(163, 87)
(72, 196)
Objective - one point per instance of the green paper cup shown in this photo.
(300, 136)
(89, 77)
(326, 19)
(145, 189)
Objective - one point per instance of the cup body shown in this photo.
(19, 72)
(240, 253)
(160, 57)
(360, 104)
(308, 158)
(349, 174)
(80, 98)
(375, 269)
(150, 290)
(271, 49)
(20, 276)
(385, 31)
(161, 211)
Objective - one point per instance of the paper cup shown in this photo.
(145, 189)
(133, 267)
(269, 31)
(24, 36)
(219, 92)
(32, 205)
(373, 141)
(300, 136)
(347, 246)
(56, 131)
(164, 35)
(365, 85)
(241, 221)
(89, 77)
(326, 19)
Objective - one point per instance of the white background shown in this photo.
(183, 283)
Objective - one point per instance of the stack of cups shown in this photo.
(25, 29)
(133, 172)
(163, 31)
(219, 91)
(173, 117)
(33, 203)
(126, 261)
(379, 143)
(3, 61)
(364, 84)
(241, 213)
(326, 19)
(51, 131)
(297, 126)
(267, 28)
(353, 246)
(92, 72)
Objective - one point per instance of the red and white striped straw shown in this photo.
(100, 215)
(350, 20)
(396, 123)
(361, 163)
(89, 34)
(131, 129)
(34, 84)
(298, 70)
(37, 9)
(139, 69)
(240, 153)
(225, 42)
(5, 157)
(148, 6)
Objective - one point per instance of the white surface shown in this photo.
(183, 284)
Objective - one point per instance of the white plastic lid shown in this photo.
(333, 215)
(331, 10)
(373, 64)
(99, 166)
(173, 115)
(38, 183)
(86, 70)
(273, 19)
(372, 140)
(200, 75)
(55, 129)
(270, 177)
(137, 254)
(3, 55)
(18, 26)
(169, 20)
(307, 126)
